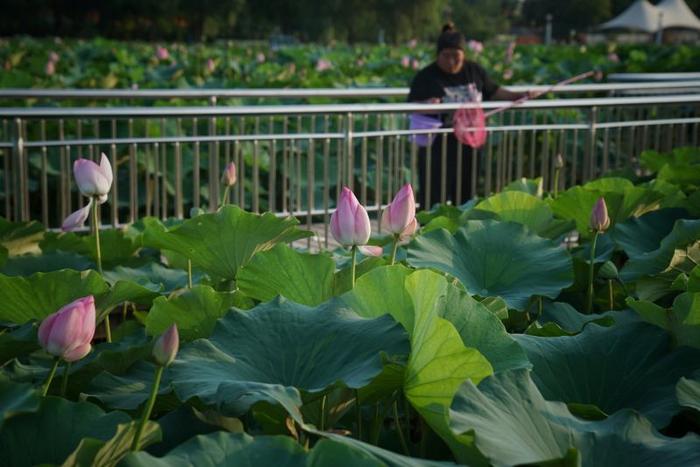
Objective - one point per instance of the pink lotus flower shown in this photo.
(68, 332)
(599, 216)
(93, 179)
(350, 224)
(166, 346)
(211, 65)
(415, 64)
(475, 47)
(612, 56)
(412, 43)
(162, 53)
(323, 65)
(409, 231)
(260, 57)
(54, 57)
(50, 68)
(230, 174)
(405, 61)
(399, 214)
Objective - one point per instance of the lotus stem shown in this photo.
(353, 252)
(610, 293)
(225, 196)
(322, 423)
(394, 250)
(98, 255)
(556, 182)
(358, 414)
(402, 440)
(589, 302)
(47, 383)
(64, 380)
(136, 444)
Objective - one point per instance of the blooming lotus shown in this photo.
(68, 332)
(162, 53)
(93, 179)
(350, 224)
(323, 65)
(599, 216)
(405, 61)
(166, 346)
(475, 47)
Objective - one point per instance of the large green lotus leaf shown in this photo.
(640, 235)
(624, 366)
(693, 284)
(688, 391)
(97, 453)
(49, 435)
(37, 296)
(115, 247)
(280, 347)
(682, 321)
(127, 391)
(222, 242)
(494, 258)
(152, 277)
(676, 245)
(512, 423)
(439, 363)
(532, 186)
(609, 184)
(18, 342)
(301, 277)
(224, 449)
(16, 399)
(577, 202)
(195, 312)
(526, 209)
(3, 257)
(20, 237)
(27, 265)
(573, 322)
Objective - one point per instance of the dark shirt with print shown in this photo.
(432, 82)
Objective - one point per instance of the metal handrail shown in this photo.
(399, 92)
(260, 110)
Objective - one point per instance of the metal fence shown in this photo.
(294, 159)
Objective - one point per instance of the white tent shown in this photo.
(676, 14)
(640, 16)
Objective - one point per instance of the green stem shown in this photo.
(64, 380)
(189, 273)
(323, 413)
(136, 444)
(225, 196)
(358, 414)
(404, 446)
(556, 182)
(98, 254)
(45, 388)
(353, 251)
(589, 302)
(610, 294)
(624, 288)
(394, 249)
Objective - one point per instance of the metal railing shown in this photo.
(294, 159)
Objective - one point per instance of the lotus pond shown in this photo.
(506, 332)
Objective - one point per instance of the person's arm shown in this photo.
(503, 94)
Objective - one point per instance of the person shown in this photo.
(451, 78)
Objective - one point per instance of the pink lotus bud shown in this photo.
(412, 43)
(260, 57)
(612, 56)
(78, 218)
(50, 68)
(68, 332)
(323, 65)
(599, 216)
(350, 222)
(162, 53)
(415, 64)
(53, 57)
(559, 162)
(166, 346)
(401, 211)
(405, 61)
(93, 179)
(475, 47)
(211, 65)
(230, 174)
(409, 231)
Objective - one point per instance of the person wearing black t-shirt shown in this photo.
(447, 79)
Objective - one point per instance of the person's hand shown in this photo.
(433, 100)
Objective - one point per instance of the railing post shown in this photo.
(214, 172)
(349, 148)
(589, 169)
(21, 208)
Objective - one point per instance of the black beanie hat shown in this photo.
(450, 38)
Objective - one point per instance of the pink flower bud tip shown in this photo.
(230, 174)
(166, 346)
(350, 222)
(68, 332)
(599, 216)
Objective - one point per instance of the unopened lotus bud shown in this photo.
(166, 346)
(599, 216)
(608, 271)
(559, 162)
(68, 332)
